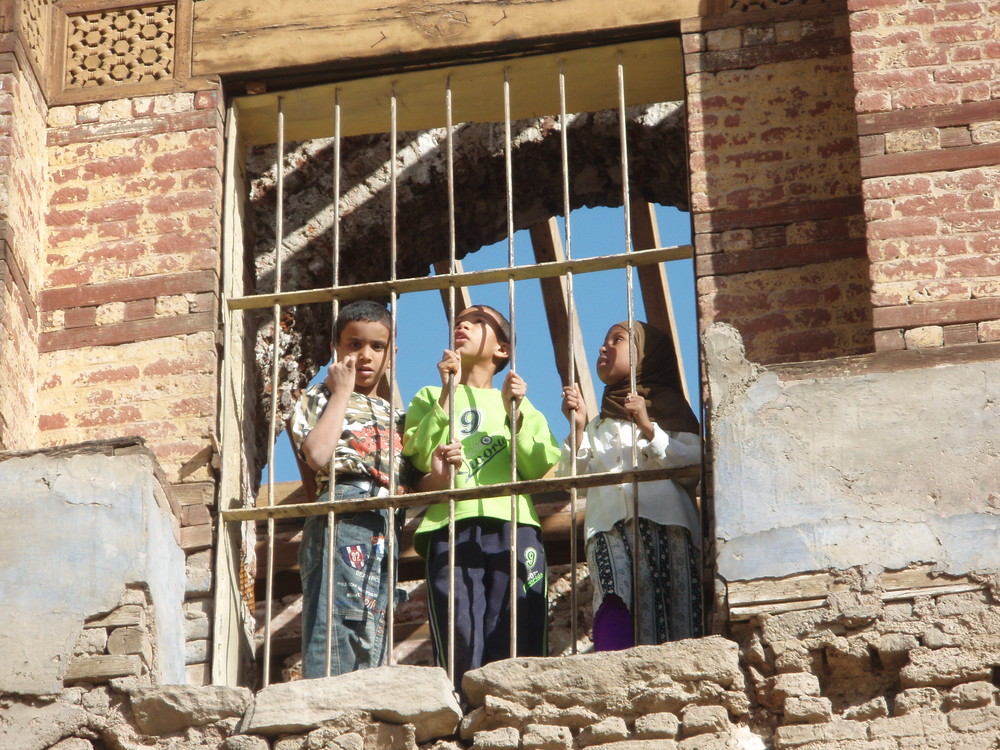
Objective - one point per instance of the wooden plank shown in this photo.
(779, 258)
(126, 333)
(233, 36)
(548, 248)
(127, 614)
(102, 667)
(750, 218)
(127, 290)
(921, 162)
(937, 313)
(768, 54)
(462, 297)
(944, 116)
(653, 283)
(653, 74)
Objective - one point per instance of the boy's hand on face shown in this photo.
(450, 363)
(635, 405)
(340, 376)
(573, 400)
(514, 388)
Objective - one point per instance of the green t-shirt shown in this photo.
(482, 425)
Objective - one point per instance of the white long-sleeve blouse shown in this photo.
(606, 445)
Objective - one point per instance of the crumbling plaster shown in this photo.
(846, 468)
(76, 530)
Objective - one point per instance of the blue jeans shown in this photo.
(360, 585)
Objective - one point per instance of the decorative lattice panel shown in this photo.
(134, 45)
(33, 14)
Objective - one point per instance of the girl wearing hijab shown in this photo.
(665, 430)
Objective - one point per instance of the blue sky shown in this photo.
(601, 300)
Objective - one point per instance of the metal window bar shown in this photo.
(623, 135)
(331, 520)
(390, 519)
(276, 322)
(450, 163)
(509, 190)
(335, 294)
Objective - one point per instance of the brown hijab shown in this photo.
(657, 381)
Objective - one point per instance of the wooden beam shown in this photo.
(653, 74)
(462, 297)
(653, 281)
(236, 37)
(555, 293)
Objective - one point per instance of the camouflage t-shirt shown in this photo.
(363, 445)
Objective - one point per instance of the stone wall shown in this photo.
(22, 189)
(856, 671)
(927, 118)
(775, 181)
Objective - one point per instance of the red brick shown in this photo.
(143, 308)
(117, 230)
(181, 202)
(926, 56)
(64, 218)
(201, 179)
(193, 407)
(52, 422)
(67, 235)
(114, 251)
(807, 343)
(960, 33)
(101, 397)
(965, 53)
(195, 158)
(108, 416)
(889, 341)
(202, 363)
(75, 276)
(162, 183)
(954, 137)
(914, 17)
(963, 73)
(77, 317)
(937, 246)
(53, 381)
(111, 374)
(958, 11)
(913, 226)
(118, 211)
(964, 333)
(69, 195)
(927, 96)
(206, 100)
(115, 166)
(971, 267)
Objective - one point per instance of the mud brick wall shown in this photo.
(929, 122)
(775, 181)
(22, 186)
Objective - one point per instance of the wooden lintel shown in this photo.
(236, 37)
(555, 293)
(653, 281)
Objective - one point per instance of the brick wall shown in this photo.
(22, 169)
(778, 225)
(129, 309)
(929, 121)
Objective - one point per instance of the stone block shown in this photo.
(945, 666)
(985, 719)
(876, 708)
(704, 719)
(971, 695)
(657, 726)
(495, 713)
(791, 684)
(91, 641)
(39, 727)
(546, 737)
(837, 731)
(917, 699)
(918, 724)
(245, 742)
(195, 652)
(171, 708)
(199, 573)
(504, 738)
(574, 717)
(294, 742)
(807, 709)
(611, 729)
(421, 696)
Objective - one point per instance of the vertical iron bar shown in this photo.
(449, 138)
(279, 229)
(631, 342)
(571, 354)
(509, 185)
(331, 518)
(390, 523)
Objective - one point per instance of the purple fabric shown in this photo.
(613, 625)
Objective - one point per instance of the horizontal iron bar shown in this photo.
(467, 278)
(300, 510)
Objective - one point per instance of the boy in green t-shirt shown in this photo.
(482, 526)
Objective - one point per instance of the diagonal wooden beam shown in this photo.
(547, 247)
(653, 281)
(462, 297)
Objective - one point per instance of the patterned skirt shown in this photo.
(669, 578)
